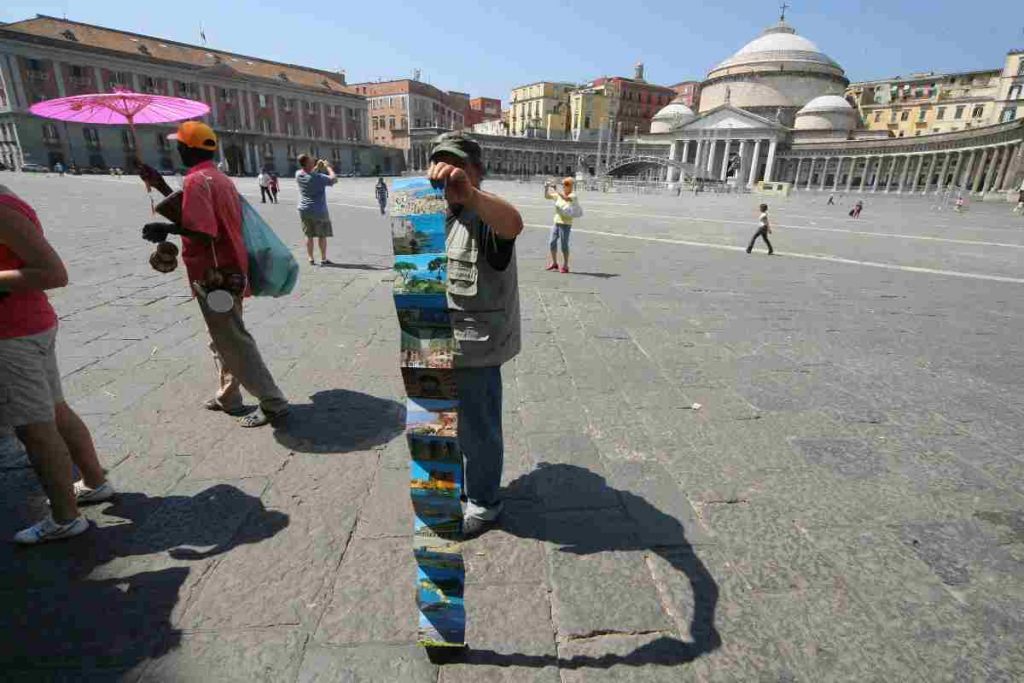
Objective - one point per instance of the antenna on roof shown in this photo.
(202, 34)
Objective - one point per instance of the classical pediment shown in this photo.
(727, 117)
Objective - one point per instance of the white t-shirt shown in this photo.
(263, 179)
(763, 220)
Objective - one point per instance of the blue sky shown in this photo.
(487, 48)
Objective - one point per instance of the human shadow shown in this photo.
(340, 421)
(355, 266)
(100, 604)
(619, 521)
(603, 276)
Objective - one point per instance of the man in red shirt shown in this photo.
(211, 239)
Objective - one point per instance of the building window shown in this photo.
(92, 138)
(262, 100)
(391, 123)
(1014, 92)
(268, 150)
(904, 116)
(310, 106)
(922, 114)
(127, 140)
(1009, 114)
(33, 65)
(291, 152)
(161, 142)
(940, 113)
(289, 128)
(286, 104)
(959, 113)
(225, 94)
(120, 79)
(978, 112)
(1020, 68)
(50, 133)
(892, 116)
(878, 116)
(265, 125)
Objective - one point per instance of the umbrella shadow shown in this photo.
(82, 608)
(355, 266)
(340, 421)
(584, 532)
(603, 276)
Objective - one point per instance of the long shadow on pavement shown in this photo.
(582, 532)
(341, 421)
(96, 606)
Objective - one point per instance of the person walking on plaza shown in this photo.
(274, 187)
(1019, 209)
(211, 238)
(763, 230)
(381, 190)
(313, 178)
(483, 303)
(59, 169)
(857, 208)
(959, 206)
(263, 180)
(831, 200)
(565, 200)
(31, 399)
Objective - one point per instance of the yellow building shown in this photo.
(540, 110)
(926, 103)
(589, 111)
(1010, 100)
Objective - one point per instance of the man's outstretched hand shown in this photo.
(457, 187)
(154, 180)
(157, 232)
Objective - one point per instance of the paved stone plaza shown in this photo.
(819, 452)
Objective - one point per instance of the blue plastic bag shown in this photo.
(273, 270)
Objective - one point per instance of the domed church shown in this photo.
(775, 111)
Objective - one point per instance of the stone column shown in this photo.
(978, 173)
(839, 169)
(849, 174)
(993, 168)
(864, 174)
(741, 172)
(810, 173)
(799, 165)
(917, 174)
(769, 169)
(755, 161)
(697, 153)
(955, 178)
(1001, 179)
(712, 149)
(824, 174)
(670, 170)
(686, 154)
(723, 173)
(931, 172)
(941, 184)
(963, 181)
(878, 173)
(907, 160)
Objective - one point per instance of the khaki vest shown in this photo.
(483, 302)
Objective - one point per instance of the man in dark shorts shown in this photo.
(313, 177)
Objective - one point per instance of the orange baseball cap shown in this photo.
(195, 134)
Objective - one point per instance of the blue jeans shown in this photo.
(560, 231)
(480, 438)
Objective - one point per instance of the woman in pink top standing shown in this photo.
(31, 400)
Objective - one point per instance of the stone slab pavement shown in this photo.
(720, 467)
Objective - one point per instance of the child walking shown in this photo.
(763, 230)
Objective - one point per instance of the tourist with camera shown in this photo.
(313, 177)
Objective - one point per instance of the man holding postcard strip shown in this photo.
(483, 302)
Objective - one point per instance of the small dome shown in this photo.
(826, 103)
(672, 116)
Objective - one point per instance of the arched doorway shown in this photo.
(235, 157)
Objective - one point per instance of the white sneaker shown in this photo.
(48, 530)
(87, 496)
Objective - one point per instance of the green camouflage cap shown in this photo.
(459, 145)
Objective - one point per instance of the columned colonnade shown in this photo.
(512, 160)
(975, 170)
(710, 157)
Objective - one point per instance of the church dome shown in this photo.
(827, 112)
(779, 43)
(773, 75)
(672, 116)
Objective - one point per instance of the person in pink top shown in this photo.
(31, 400)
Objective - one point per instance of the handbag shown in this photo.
(273, 270)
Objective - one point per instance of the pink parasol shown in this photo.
(120, 107)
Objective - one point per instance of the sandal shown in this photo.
(553, 266)
(215, 406)
(260, 418)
